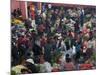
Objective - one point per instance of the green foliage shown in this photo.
(13, 73)
(55, 56)
(94, 56)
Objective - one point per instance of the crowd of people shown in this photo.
(60, 39)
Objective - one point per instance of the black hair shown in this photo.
(24, 70)
(68, 59)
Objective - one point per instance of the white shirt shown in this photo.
(46, 67)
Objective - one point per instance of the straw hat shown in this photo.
(30, 60)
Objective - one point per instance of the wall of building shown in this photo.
(18, 4)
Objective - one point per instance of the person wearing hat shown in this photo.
(31, 65)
